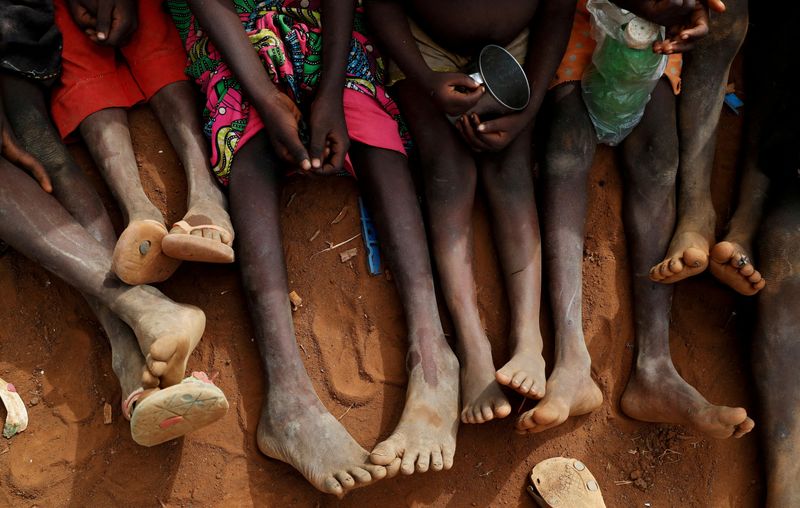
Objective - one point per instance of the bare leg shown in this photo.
(728, 256)
(704, 75)
(28, 116)
(508, 179)
(425, 437)
(655, 391)
(571, 391)
(137, 255)
(176, 109)
(450, 181)
(295, 427)
(36, 225)
(777, 350)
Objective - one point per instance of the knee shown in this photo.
(569, 162)
(652, 162)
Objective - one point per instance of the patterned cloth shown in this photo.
(287, 34)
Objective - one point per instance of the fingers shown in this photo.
(716, 5)
(103, 25)
(20, 158)
(317, 147)
(469, 134)
(464, 81)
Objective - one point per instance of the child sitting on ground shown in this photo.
(70, 234)
(649, 155)
(273, 106)
(429, 43)
(109, 66)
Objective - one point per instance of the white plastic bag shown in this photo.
(624, 70)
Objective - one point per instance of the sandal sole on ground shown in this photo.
(138, 258)
(175, 411)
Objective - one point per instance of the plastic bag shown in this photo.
(618, 83)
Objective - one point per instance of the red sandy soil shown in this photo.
(351, 334)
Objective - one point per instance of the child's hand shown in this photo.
(454, 93)
(13, 153)
(107, 22)
(281, 118)
(329, 139)
(682, 37)
(492, 135)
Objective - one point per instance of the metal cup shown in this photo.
(507, 87)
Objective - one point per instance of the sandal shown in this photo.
(168, 413)
(188, 247)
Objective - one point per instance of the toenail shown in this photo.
(144, 247)
(579, 465)
(592, 485)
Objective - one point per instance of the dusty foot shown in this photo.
(425, 438)
(725, 265)
(297, 429)
(481, 397)
(138, 257)
(210, 244)
(571, 391)
(167, 333)
(524, 372)
(659, 394)
(687, 256)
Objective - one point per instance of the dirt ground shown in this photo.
(351, 333)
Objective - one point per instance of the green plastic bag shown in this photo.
(618, 83)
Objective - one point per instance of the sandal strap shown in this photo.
(189, 228)
(127, 403)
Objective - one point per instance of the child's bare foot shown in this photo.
(731, 265)
(687, 256)
(658, 394)
(426, 435)
(482, 399)
(524, 372)
(297, 429)
(167, 333)
(205, 234)
(571, 391)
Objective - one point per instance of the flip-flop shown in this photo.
(138, 257)
(16, 414)
(174, 411)
(188, 247)
(562, 482)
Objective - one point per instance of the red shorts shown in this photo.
(95, 77)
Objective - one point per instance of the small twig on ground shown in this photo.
(345, 413)
(622, 482)
(302, 349)
(668, 451)
(487, 473)
(339, 217)
(331, 246)
(291, 198)
(314, 236)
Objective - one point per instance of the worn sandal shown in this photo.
(171, 412)
(188, 247)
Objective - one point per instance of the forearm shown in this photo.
(549, 35)
(337, 31)
(224, 28)
(390, 25)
